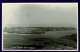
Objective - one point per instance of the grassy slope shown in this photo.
(44, 43)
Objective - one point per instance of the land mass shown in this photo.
(35, 30)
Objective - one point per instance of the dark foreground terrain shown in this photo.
(50, 40)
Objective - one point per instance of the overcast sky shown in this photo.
(39, 14)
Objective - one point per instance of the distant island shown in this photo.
(35, 30)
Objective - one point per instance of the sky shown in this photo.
(39, 14)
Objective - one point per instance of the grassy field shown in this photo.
(52, 40)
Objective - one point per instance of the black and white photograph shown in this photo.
(40, 26)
